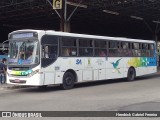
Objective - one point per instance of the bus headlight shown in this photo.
(33, 73)
(27, 73)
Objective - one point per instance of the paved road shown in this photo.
(114, 95)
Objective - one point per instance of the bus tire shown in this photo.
(68, 81)
(131, 75)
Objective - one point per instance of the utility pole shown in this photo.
(64, 25)
(61, 5)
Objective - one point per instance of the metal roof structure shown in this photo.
(39, 14)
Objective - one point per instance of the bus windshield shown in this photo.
(23, 53)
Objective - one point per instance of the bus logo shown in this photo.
(79, 62)
(115, 65)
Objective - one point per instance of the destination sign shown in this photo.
(22, 35)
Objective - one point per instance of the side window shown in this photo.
(136, 49)
(145, 50)
(135, 45)
(49, 51)
(69, 46)
(113, 44)
(114, 49)
(85, 47)
(145, 46)
(151, 50)
(100, 48)
(126, 49)
(125, 45)
(151, 46)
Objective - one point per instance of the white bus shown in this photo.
(41, 58)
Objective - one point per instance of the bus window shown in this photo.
(113, 44)
(100, 44)
(69, 52)
(100, 48)
(49, 51)
(135, 45)
(126, 49)
(85, 43)
(136, 49)
(85, 47)
(65, 52)
(125, 45)
(151, 50)
(144, 50)
(69, 46)
(114, 49)
(86, 52)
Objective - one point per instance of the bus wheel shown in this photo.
(68, 81)
(131, 74)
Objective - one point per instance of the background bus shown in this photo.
(41, 58)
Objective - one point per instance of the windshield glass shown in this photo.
(23, 52)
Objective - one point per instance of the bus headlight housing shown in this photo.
(33, 73)
(28, 73)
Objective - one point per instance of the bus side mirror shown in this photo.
(5, 47)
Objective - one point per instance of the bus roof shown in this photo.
(52, 32)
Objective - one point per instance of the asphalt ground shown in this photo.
(110, 95)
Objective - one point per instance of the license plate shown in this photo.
(17, 80)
